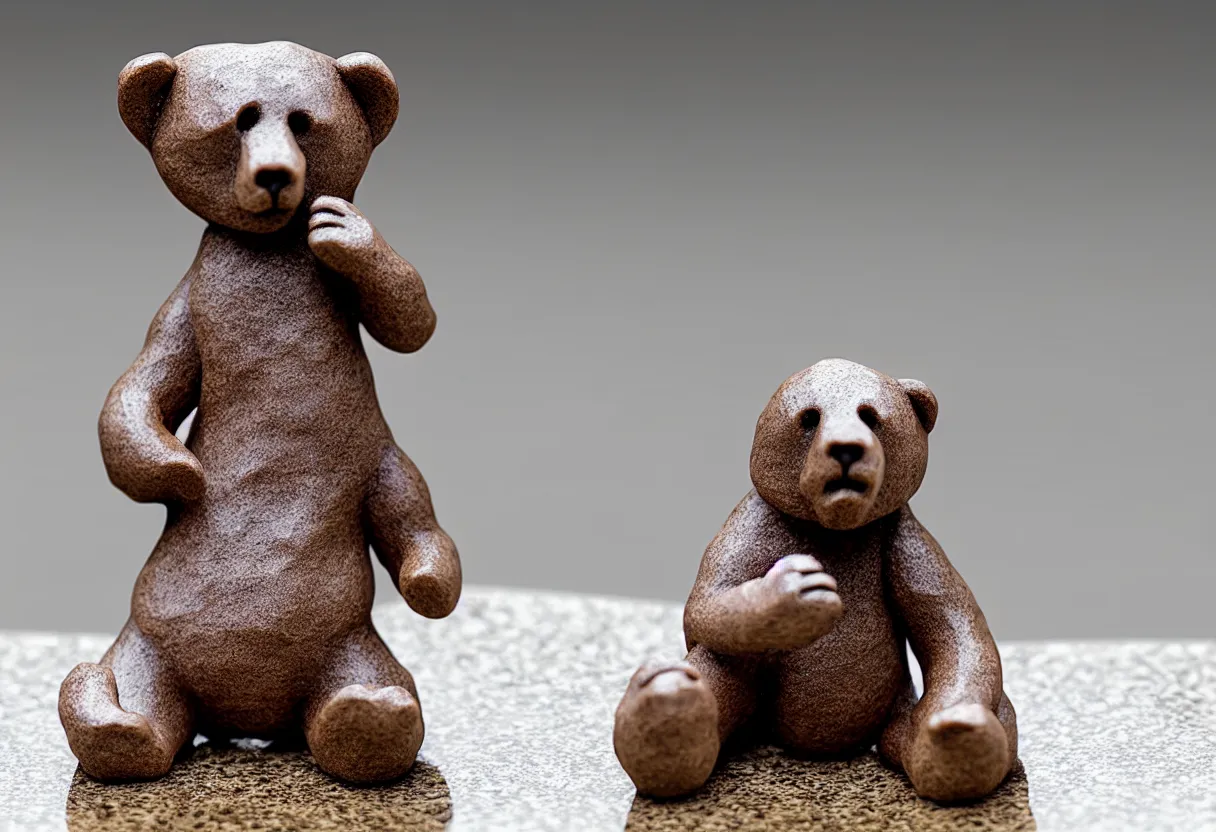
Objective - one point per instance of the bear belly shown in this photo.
(835, 695)
(251, 613)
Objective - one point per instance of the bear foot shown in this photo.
(666, 732)
(111, 743)
(960, 753)
(365, 734)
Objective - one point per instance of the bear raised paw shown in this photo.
(252, 617)
(805, 600)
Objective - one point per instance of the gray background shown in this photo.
(635, 220)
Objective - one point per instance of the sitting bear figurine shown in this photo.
(804, 602)
(252, 616)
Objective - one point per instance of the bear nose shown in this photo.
(846, 453)
(273, 180)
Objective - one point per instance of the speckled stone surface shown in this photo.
(518, 690)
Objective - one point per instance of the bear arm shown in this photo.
(148, 403)
(393, 304)
(945, 626)
(723, 612)
(407, 539)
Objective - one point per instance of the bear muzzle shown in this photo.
(841, 480)
(270, 174)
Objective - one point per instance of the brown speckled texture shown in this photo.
(235, 788)
(521, 691)
(763, 788)
(798, 622)
(252, 616)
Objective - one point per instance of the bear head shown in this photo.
(245, 134)
(841, 445)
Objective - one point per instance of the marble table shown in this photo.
(519, 688)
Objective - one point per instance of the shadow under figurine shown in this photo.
(805, 600)
(252, 617)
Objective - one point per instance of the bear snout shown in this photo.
(840, 481)
(846, 453)
(274, 180)
(270, 174)
(857, 474)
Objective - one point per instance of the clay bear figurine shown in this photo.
(800, 613)
(252, 617)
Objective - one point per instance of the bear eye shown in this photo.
(299, 122)
(869, 416)
(809, 419)
(249, 115)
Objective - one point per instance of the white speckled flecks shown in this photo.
(518, 691)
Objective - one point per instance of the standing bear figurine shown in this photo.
(805, 600)
(252, 617)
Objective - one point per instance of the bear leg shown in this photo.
(364, 723)
(674, 717)
(961, 752)
(125, 717)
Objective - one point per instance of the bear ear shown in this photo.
(374, 87)
(142, 86)
(923, 401)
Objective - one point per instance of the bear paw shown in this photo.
(959, 753)
(111, 744)
(666, 733)
(366, 734)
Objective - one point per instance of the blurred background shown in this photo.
(635, 220)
